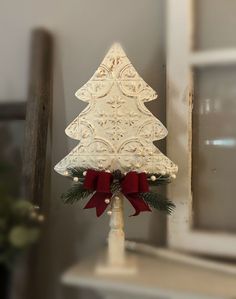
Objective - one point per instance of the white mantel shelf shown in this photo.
(157, 278)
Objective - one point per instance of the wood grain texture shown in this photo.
(37, 119)
(37, 114)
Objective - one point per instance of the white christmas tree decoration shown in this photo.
(116, 130)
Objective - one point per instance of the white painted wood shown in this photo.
(116, 237)
(116, 295)
(157, 278)
(180, 59)
(115, 261)
(206, 242)
(179, 102)
(213, 57)
(181, 257)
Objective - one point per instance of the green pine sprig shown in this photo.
(161, 179)
(75, 193)
(158, 201)
(76, 172)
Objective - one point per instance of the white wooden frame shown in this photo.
(180, 59)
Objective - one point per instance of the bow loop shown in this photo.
(100, 182)
(104, 182)
(131, 185)
(143, 182)
(90, 180)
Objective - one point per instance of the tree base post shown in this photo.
(116, 261)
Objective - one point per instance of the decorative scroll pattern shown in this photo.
(116, 130)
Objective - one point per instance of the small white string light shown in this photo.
(75, 179)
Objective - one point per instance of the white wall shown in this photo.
(83, 32)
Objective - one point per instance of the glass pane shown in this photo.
(214, 148)
(215, 23)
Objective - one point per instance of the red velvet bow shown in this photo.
(132, 184)
(100, 182)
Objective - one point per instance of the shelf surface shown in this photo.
(155, 277)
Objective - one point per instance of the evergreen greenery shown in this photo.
(161, 179)
(76, 193)
(76, 172)
(157, 201)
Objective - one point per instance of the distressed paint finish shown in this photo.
(180, 59)
(116, 130)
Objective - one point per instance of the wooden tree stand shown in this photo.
(116, 261)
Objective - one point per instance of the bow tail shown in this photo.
(138, 203)
(98, 201)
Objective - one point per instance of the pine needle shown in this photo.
(158, 201)
(75, 193)
(76, 172)
(161, 180)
